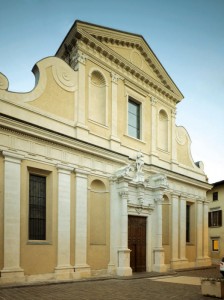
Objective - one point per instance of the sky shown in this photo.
(187, 37)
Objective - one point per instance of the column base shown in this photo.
(83, 271)
(181, 263)
(203, 261)
(111, 269)
(115, 143)
(12, 273)
(159, 265)
(64, 272)
(82, 131)
(124, 271)
(124, 262)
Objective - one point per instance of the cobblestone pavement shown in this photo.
(138, 286)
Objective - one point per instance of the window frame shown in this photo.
(215, 218)
(50, 194)
(188, 223)
(37, 206)
(138, 118)
(215, 239)
(215, 196)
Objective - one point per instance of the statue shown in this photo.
(139, 162)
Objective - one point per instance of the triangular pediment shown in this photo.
(131, 51)
(135, 57)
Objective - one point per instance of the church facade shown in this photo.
(95, 176)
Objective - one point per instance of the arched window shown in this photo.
(163, 130)
(97, 98)
(97, 213)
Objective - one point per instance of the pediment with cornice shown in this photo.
(128, 51)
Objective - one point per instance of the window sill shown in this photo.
(135, 139)
(37, 242)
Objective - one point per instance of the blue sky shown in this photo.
(187, 36)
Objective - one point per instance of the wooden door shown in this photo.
(137, 243)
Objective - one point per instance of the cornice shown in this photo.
(36, 132)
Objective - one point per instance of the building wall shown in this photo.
(73, 129)
(216, 231)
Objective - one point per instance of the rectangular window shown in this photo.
(37, 207)
(188, 223)
(133, 118)
(215, 218)
(215, 196)
(215, 245)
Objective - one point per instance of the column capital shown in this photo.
(153, 101)
(64, 168)
(80, 57)
(173, 113)
(123, 194)
(114, 77)
(12, 156)
(158, 199)
(81, 172)
(175, 194)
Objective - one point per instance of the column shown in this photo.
(153, 130)
(175, 231)
(63, 254)
(199, 232)
(207, 259)
(81, 194)
(124, 253)
(149, 243)
(158, 249)
(183, 229)
(81, 128)
(114, 139)
(12, 183)
(114, 227)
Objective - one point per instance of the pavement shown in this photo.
(181, 284)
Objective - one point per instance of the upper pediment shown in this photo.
(129, 51)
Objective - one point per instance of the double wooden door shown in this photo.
(137, 243)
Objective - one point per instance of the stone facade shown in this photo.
(72, 130)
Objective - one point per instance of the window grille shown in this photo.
(37, 207)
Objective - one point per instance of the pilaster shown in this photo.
(123, 252)
(114, 141)
(182, 233)
(80, 65)
(63, 254)
(158, 250)
(154, 156)
(199, 231)
(173, 141)
(175, 230)
(81, 265)
(12, 185)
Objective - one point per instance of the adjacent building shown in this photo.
(216, 230)
(95, 176)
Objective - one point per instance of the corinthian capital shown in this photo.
(153, 101)
(124, 194)
(80, 57)
(114, 77)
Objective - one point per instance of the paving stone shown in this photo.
(139, 286)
